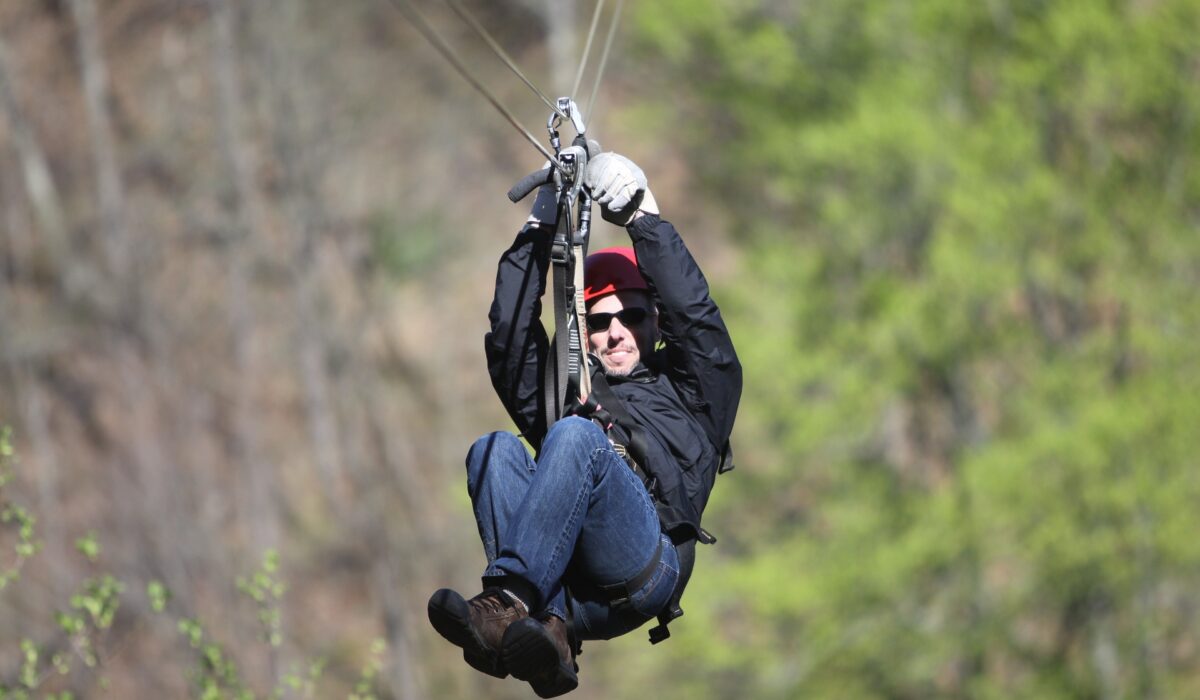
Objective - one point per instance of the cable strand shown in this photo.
(608, 42)
(587, 48)
(470, 20)
(418, 20)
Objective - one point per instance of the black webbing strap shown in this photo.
(554, 384)
(609, 400)
(568, 378)
(687, 561)
(592, 409)
(618, 594)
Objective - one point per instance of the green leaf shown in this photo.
(88, 546)
(158, 594)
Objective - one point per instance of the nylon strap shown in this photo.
(569, 249)
(557, 376)
(617, 594)
(580, 254)
(607, 398)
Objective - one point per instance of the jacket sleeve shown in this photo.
(700, 357)
(517, 345)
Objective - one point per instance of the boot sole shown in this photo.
(451, 617)
(529, 654)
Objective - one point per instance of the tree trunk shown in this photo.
(239, 246)
(139, 349)
(110, 190)
(293, 151)
(562, 44)
(39, 184)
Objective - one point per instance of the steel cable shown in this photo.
(418, 20)
(496, 49)
(608, 41)
(587, 49)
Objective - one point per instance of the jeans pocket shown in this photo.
(656, 593)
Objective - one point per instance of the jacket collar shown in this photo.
(641, 372)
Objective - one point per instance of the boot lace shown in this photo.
(494, 600)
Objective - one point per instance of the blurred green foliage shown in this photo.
(89, 622)
(18, 541)
(406, 247)
(266, 589)
(967, 312)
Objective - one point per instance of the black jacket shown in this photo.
(684, 397)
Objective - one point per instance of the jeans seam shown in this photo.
(581, 500)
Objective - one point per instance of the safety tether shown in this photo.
(567, 378)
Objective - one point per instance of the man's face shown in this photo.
(620, 338)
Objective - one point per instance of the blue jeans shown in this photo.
(577, 516)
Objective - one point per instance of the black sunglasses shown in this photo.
(628, 317)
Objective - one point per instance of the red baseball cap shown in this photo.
(611, 270)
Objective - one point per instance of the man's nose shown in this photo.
(616, 331)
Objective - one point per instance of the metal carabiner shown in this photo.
(566, 106)
(574, 159)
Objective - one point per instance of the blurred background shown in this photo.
(247, 252)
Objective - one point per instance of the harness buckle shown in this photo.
(618, 594)
(560, 251)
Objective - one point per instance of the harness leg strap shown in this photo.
(618, 594)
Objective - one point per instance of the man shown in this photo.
(582, 544)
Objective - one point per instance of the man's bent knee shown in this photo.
(492, 450)
(574, 441)
(576, 428)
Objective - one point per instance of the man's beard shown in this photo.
(619, 371)
(624, 371)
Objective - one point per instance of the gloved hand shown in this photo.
(544, 213)
(619, 186)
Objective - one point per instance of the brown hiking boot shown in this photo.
(477, 625)
(540, 651)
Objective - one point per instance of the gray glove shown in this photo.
(619, 186)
